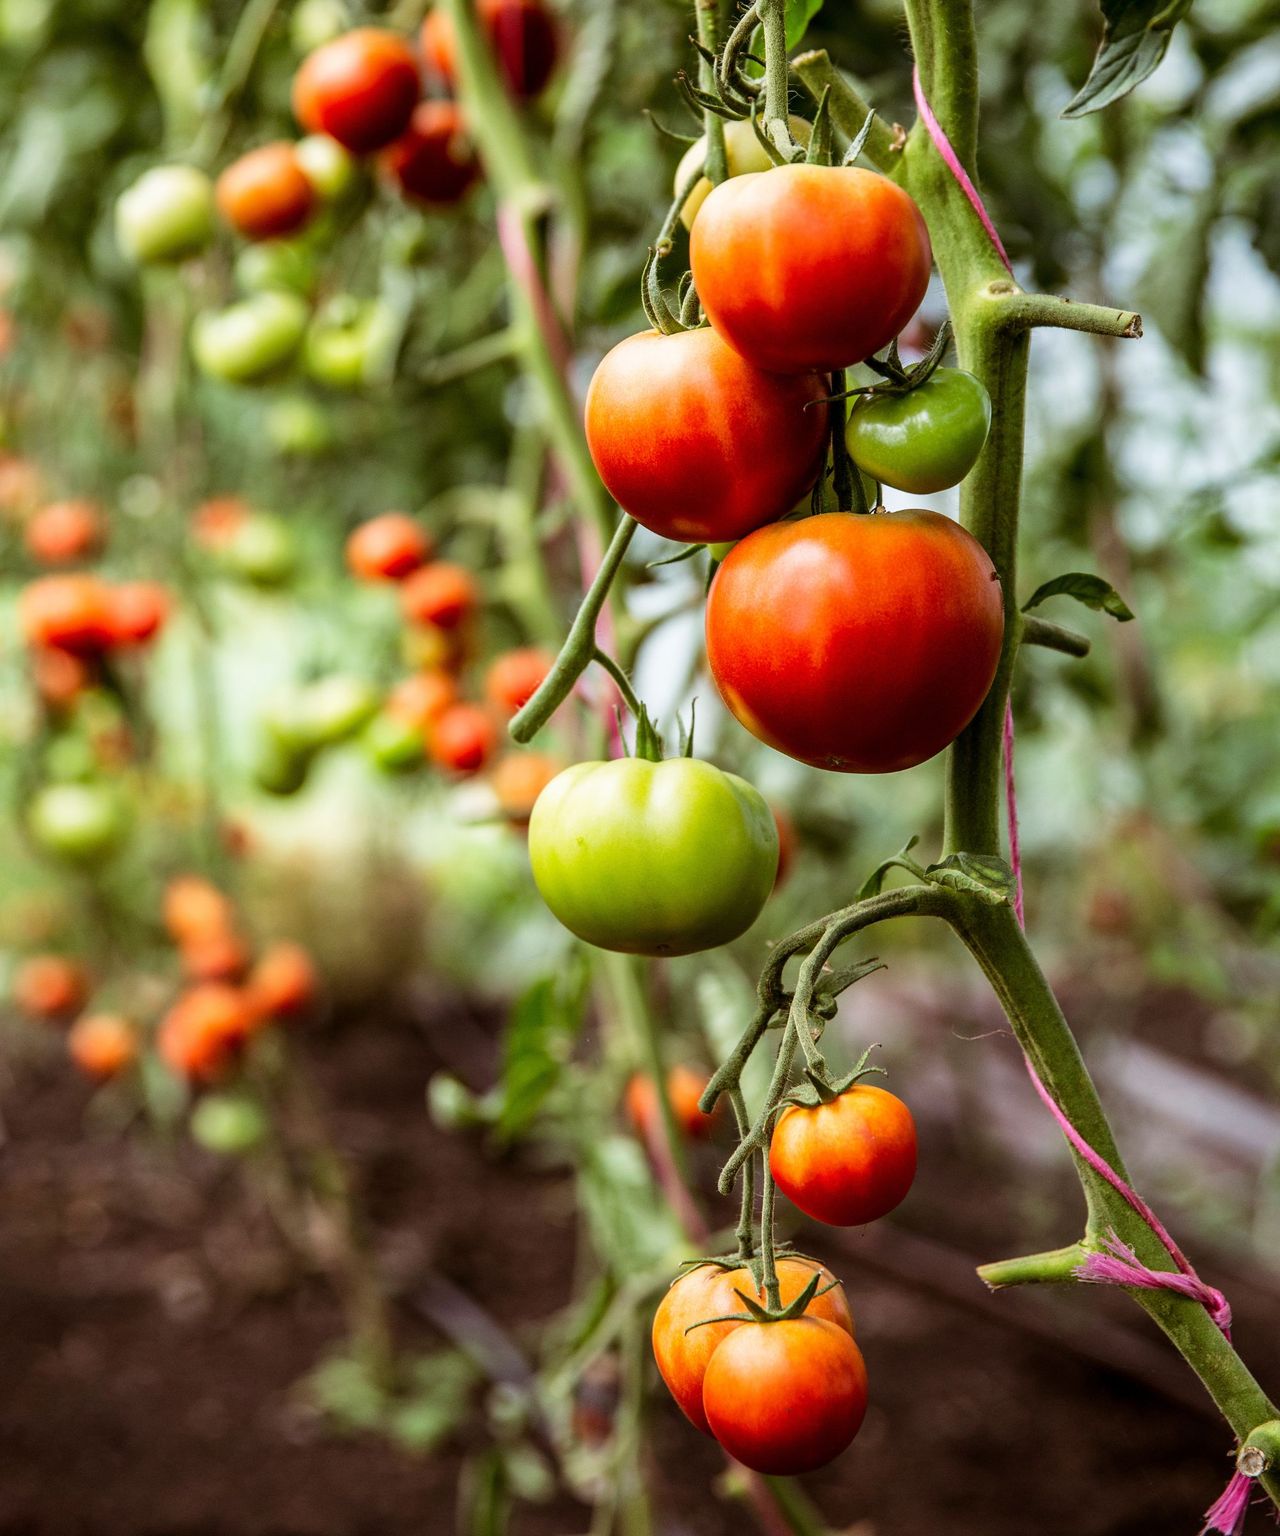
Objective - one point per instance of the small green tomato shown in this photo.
(250, 340)
(925, 440)
(326, 165)
(78, 823)
(653, 858)
(166, 215)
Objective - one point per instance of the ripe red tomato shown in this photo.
(422, 698)
(708, 1291)
(858, 643)
(785, 1397)
(66, 613)
(202, 1033)
(283, 985)
(684, 1088)
(64, 532)
(102, 1045)
(193, 908)
(388, 548)
(514, 677)
(522, 33)
(138, 611)
(847, 1162)
(219, 955)
(671, 423)
(809, 266)
(517, 781)
(266, 193)
(360, 89)
(433, 160)
(463, 739)
(59, 677)
(50, 986)
(439, 594)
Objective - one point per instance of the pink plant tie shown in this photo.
(1118, 1264)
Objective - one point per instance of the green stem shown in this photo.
(1035, 1268)
(629, 695)
(715, 167)
(848, 108)
(773, 20)
(1054, 637)
(579, 648)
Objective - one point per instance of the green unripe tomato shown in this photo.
(352, 342)
(315, 22)
(278, 770)
(261, 551)
(333, 709)
(326, 165)
(166, 215)
(79, 823)
(925, 440)
(743, 152)
(393, 744)
(228, 1123)
(297, 425)
(269, 266)
(653, 858)
(250, 340)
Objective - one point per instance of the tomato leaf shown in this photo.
(1092, 591)
(984, 875)
(1135, 36)
(543, 1024)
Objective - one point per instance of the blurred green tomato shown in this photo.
(332, 710)
(228, 1123)
(743, 152)
(266, 266)
(926, 439)
(326, 165)
(261, 551)
(79, 823)
(393, 744)
(653, 858)
(69, 757)
(350, 343)
(315, 22)
(250, 340)
(278, 770)
(298, 425)
(166, 215)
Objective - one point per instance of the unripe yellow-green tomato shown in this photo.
(743, 152)
(326, 165)
(166, 215)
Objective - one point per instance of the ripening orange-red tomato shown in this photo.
(463, 739)
(859, 643)
(216, 521)
(683, 1350)
(388, 548)
(786, 1397)
(265, 193)
(138, 610)
(684, 1088)
(441, 595)
(67, 613)
(283, 983)
(217, 955)
(194, 907)
(59, 677)
(65, 531)
(102, 1045)
(433, 161)
(809, 267)
(514, 677)
(671, 422)
(847, 1162)
(203, 1032)
(518, 779)
(787, 843)
(50, 986)
(21, 483)
(523, 34)
(360, 88)
(422, 698)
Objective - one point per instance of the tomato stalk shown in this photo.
(715, 167)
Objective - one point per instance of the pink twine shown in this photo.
(1120, 1265)
(943, 145)
(1227, 1515)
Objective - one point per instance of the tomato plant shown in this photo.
(653, 858)
(860, 643)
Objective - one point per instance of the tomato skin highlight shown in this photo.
(785, 1397)
(709, 1291)
(433, 161)
(926, 440)
(809, 267)
(653, 858)
(360, 89)
(695, 443)
(848, 1162)
(265, 193)
(859, 643)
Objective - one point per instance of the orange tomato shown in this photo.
(422, 698)
(195, 907)
(102, 1045)
(265, 193)
(283, 983)
(441, 595)
(463, 739)
(847, 1162)
(50, 986)
(66, 613)
(517, 781)
(204, 1031)
(65, 531)
(388, 548)
(514, 677)
(685, 1087)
